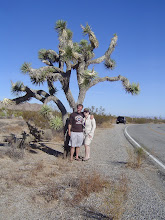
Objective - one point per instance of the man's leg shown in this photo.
(77, 152)
(71, 153)
(80, 142)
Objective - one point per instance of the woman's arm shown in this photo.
(93, 123)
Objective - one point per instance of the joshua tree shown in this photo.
(77, 56)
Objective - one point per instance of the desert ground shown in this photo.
(37, 183)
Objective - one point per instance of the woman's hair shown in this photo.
(86, 110)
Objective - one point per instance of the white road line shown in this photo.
(151, 156)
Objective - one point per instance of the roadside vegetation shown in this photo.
(136, 156)
(103, 119)
(145, 120)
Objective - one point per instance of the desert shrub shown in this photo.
(100, 115)
(56, 123)
(14, 153)
(100, 119)
(3, 113)
(116, 196)
(87, 184)
(80, 186)
(8, 113)
(48, 134)
(49, 194)
(39, 119)
(36, 118)
(45, 111)
(135, 157)
(144, 120)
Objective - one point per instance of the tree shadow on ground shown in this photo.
(47, 150)
(120, 163)
(93, 214)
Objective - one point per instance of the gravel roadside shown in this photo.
(110, 153)
(146, 197)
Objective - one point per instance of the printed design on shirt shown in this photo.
(79, 119)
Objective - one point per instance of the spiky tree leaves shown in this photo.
(109, 64)
(71, 56)
(25, 68)
(88, 76)
(60, 26)
(134, 89)
(48, 56)
(69, 34)
(93, 40)
(17, 88)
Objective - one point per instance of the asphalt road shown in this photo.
(151, 137)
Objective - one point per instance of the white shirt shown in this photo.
(89, 126)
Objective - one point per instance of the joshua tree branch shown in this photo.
(92, 38)
(52, 89)
(57, 101)
(53, 69)
(47, 62)
(81, 97)
(59, 105)
(107, 53)
(103, 79)
(22, 99)
(127, 86)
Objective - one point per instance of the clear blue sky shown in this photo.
(28, 26)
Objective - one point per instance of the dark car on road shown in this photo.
(120, 119)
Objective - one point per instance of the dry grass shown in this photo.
(106, 124)
(2, 154)
(88, 183)
(13, 129)
(142, 120)
(135, 157)
(61, 182)
(139, 156)
(25, 177)
(58, 136)
(13, 179)
(49, 194)
(114, 201)
(14, 153)
(63, 165)
(73, 188)
(39, 166)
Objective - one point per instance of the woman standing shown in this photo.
(89, 128)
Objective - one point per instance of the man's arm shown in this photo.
(69, 129)
(70, 124)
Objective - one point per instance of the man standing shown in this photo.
(75, 131)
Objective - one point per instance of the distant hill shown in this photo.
(23, 107)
